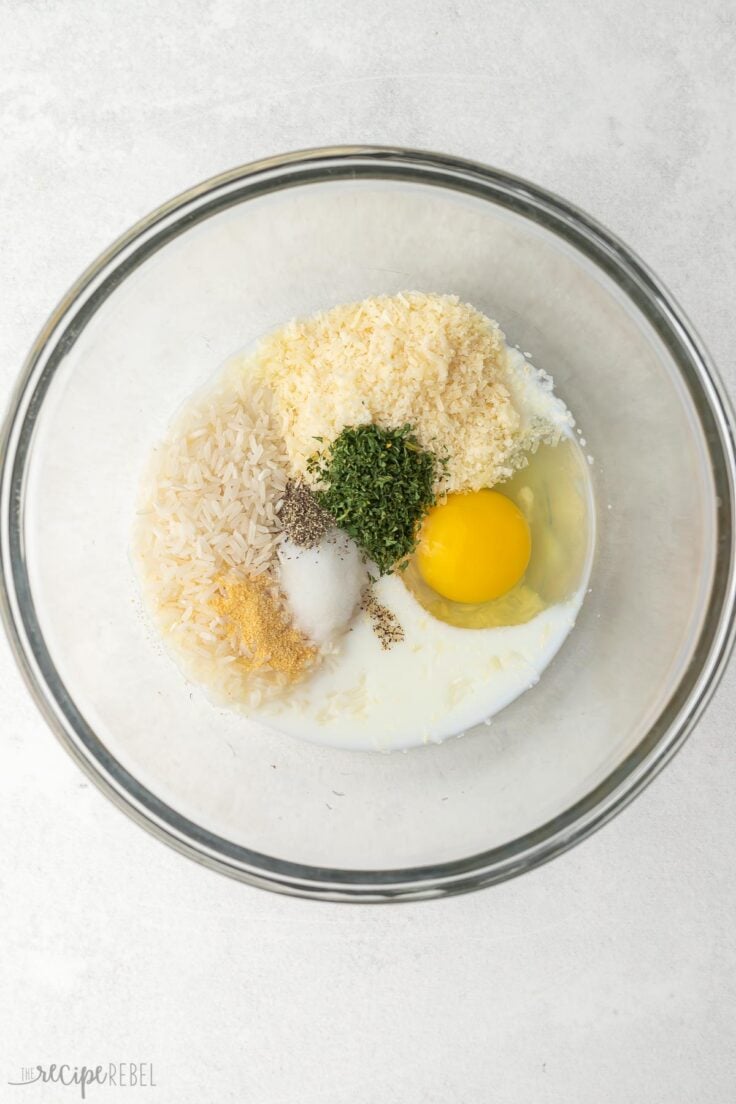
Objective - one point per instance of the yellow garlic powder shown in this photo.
(256, 623)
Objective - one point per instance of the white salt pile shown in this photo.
(323, 585)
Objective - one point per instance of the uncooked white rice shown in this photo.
(208, 507)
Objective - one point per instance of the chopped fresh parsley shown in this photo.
(377, 484)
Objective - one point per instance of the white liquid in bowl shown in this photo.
(440, 681)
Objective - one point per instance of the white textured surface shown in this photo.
(608, 976)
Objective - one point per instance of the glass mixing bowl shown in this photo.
(207, 274)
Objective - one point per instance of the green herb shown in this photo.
(377, 484)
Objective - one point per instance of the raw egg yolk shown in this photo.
(474, 547)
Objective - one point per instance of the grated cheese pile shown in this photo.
(428, 360)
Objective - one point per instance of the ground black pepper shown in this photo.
(302, 517)
(385, 623)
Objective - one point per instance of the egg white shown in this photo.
(439, 682)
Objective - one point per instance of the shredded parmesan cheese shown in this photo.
(428, 360)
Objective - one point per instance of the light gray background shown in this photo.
(608, 976)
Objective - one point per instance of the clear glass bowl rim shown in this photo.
(664, 737)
